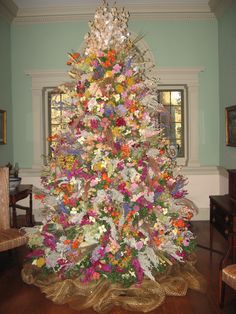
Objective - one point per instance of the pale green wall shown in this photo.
(227, 79)
(43, 46)
(174, 44)
(191, 44)
(6, 151)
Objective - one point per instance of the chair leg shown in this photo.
(221, 293)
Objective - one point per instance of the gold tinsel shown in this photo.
(102, 295)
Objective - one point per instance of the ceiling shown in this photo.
(95, 3)
(40, 11)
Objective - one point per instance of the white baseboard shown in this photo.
(203, 214)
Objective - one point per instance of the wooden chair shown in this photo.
(9, 237)
(227, 274)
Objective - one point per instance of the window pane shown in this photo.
(180, 147)
(52, 145)
(173, 118)
(179, 114)
(176, 113)
(66, 98)
(164, 97)
(55, 99)
(176, 98)
(59, 113)
(172, 132)
(178, 130)
(55, 128)
(167, 132)
(55, 116)
(60, 101)
(165, 120)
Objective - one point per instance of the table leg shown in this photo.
(14, 218)
(211, 228)
(234, 242)
(30, 210)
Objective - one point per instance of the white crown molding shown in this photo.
(47, 78)
(8, 9)
(179, 75)
(218, 7)
(138, 11)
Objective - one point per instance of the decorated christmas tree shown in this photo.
(116, 214)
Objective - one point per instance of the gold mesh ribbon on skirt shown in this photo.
(103, 295)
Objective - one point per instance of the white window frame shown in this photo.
(41, 79)
(182, 161)
(46, 92)
(188, 77)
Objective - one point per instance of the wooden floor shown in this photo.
(18, 298)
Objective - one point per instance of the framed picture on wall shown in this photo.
(230, 126)
(3, 127)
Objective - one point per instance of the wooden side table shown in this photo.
(222, 216)
(21, 192)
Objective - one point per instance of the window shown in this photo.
(173, 98)
(56, 117)
(173, 119)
